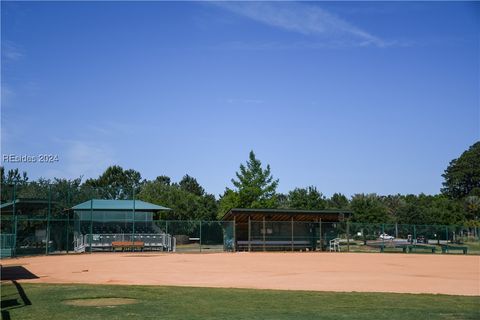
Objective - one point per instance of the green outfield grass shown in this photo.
(45, 301)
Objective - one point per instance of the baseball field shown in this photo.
(241, 286)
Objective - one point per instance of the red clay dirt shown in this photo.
(362, 272)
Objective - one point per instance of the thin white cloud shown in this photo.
(6, 94)
(11, 52)
(305, 19)
(81, 158)
(243, 101)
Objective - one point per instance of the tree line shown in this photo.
(255, 187)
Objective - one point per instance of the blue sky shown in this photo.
(349, 97)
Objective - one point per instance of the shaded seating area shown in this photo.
(283, 229)
(101, 223)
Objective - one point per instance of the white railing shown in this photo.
(335, 245)
(152, 241)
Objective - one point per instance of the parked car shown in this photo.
(385, 236)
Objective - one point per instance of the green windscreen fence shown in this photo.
(65, 219)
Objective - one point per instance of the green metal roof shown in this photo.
(98, 204)
(22, 204)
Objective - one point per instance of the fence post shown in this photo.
(91, 226)
(264, 233)
(200, 238)
(47, 236)
(292, 231)
(383, 237)
(348, 235)
(14, 221)
(67, 229)
(320, 233)
(68, 219)
(133, 217)
(414, 240)
(446, 234)
(249, 234)
(234, 234)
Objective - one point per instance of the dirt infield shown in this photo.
(402, 273)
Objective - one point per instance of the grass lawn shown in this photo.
(46, 301)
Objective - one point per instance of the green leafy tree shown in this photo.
(282, 201)
(462, 176)
(338, 201)
(229, 200)
(306, 199)
(393, 203)
(13, 176)
(190, 184)
(413, 211)
(116, 183)
(184, 204)
(255, 186)
(472, 207)
(444, 211)
(368, 208)
(163, 179)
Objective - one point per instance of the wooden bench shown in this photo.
(129, 245)
(421, 246)
(406, 247)
(446, 248)
(403, 247)
(285, 245)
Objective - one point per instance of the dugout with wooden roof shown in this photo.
(283, 229)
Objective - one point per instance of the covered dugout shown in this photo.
(284, 229)
(99, 223)
(33, 226)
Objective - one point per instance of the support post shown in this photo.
(414, 240)
(67, 230)
(68, 219)
(14, 221)
(91, 226)
(200, 238)
(47, 236)
(446, 234)
(348, 235)
(320, 233)
(264, 232)
(133, 217)
(291, 227)
(249, 234)
(383, 237)
(234, 234)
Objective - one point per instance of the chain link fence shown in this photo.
(42, 219)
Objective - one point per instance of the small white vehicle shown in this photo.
(385, 236)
